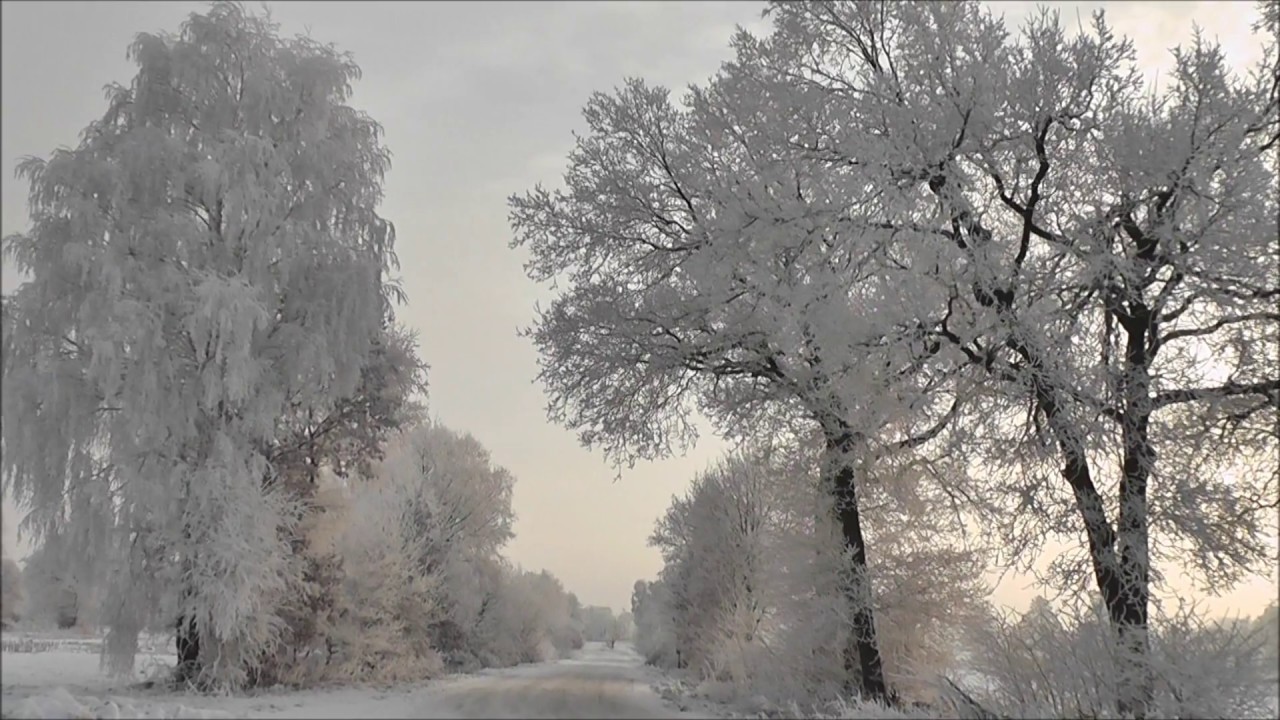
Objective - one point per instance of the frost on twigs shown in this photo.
(991, 249)
(1053, 663)
(750, 600)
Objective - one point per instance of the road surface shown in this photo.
(597, 682)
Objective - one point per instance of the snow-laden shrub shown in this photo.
(12, 593)
(655, 633)
(385, 602)
(524, 615)
(53, 595)
(1213, 668)
(752, 598)
(1059, 664)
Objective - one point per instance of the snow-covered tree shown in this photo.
(655, 632)
(756, 581)
(349, 437)
(1111, 243)
(710, 271)
(574, 637)
(597, 621)
(456, 503)
(57, 591)
(386, 602)
(206, 266)
(344, 442)
(623, 628)
(456, 498)
(886, 211)
(714, 544)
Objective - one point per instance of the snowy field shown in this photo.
(51, 675)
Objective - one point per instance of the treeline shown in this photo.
(401, 577)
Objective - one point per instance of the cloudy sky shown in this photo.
(479, 101)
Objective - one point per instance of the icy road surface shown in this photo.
(598, 682)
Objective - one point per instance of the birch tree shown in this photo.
(207, 261)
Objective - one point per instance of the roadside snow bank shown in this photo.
(59, 703)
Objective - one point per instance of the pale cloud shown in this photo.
(478, 101)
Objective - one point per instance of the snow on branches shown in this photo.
(914, 230)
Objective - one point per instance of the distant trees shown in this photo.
(752, 587)
(937, 243)
(622, 628)
(409, 580)
(597, 623)
(58, 590)
(12, 593)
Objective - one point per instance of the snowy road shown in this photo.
(597, 683)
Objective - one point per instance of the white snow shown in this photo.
(595, 682)
(598, 682)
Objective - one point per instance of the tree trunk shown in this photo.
(1122, 576)
(862, 652)
(187, 638)
(1123, 593)
(186, 632)
(1129, 616)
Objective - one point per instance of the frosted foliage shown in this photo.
(1108, 243)
(709, 271)
(441, 491)
(13, 596)
(753, 584)
(918, 229)
(207, 260)
(456, 500)
(1052, 663)
(386, 599)
(655, 634)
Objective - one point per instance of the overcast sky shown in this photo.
(479, 100)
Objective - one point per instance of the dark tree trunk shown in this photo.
(1130, 614)
(1122, 573)
(862, 652)
(186, 632)
(1124, 593)
(188, 642)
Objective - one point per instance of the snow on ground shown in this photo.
(58, 674)
(62, 680)
(33, 661)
